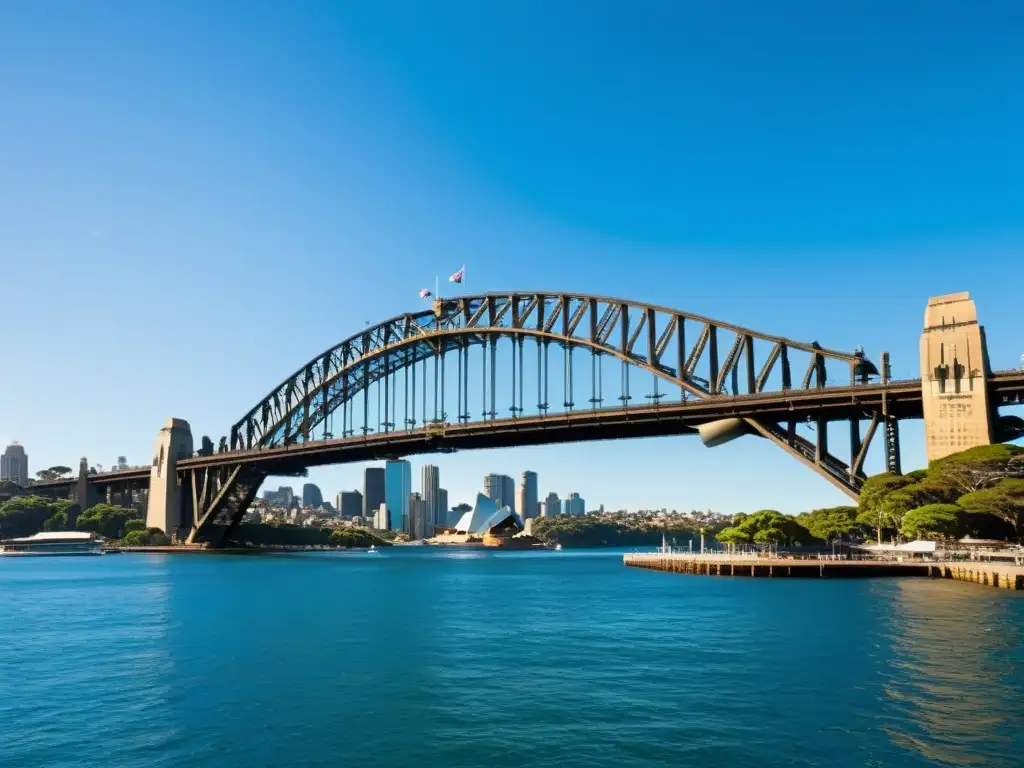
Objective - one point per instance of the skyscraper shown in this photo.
(14, 465)
(349, 503)
(311, 496)
(417, 522)
(552, 505)
(442, 507)
(430, 483)
(397, 489)
(575, 506)
(527, 502)
(501, 489)
(373, 491)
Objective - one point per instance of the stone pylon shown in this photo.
(165, 495)
(954, 367)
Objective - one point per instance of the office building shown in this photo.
(14, 465)
(575, 506)
(542, 509)
(380, 517)
(397, 490)
(282, 497)
(419, 526)
(349, 503)
(527, 501)
(553, 505)
(501, 489)
(373, 491)
(430, 483)
(311, 496)
(442, 507)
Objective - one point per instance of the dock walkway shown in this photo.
(1002, 575)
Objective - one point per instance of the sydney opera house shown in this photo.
(489, 524)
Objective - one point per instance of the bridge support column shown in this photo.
(166, 500)
(954, 366)
(84, 494)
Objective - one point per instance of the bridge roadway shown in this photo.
(668, 418)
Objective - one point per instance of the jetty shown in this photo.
(995, 574)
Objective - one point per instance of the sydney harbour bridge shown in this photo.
(531, 368)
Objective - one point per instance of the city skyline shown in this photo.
(567, 163)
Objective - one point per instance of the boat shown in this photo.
(372, 550)
(52, 543)
(558, 547)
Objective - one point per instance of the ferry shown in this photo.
(52, 543)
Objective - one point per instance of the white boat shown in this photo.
(372, 550)
(51, 544)
(558, 547)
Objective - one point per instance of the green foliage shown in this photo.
(26, 515)
(732, 536)
(830, 523)
(106, 520)
(145, 537)
(979, 467)
(57, 522)
(1004, 500)
(592, 531)
(354, 537)
(773, 527)
(269, 534)
(933, 521)
(137, 524)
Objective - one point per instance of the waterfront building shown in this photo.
(373, 491)
(501, 489)
(575, 506)
(542, 509)
(442, 507)
(14, 465)
(380, 517)
(350, 503)
(397, 490)
(430, 484)
(486, 516)
(527, 501)
(418, 521)
(312, 498)
(553, 505)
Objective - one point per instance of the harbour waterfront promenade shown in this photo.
(1002, 575)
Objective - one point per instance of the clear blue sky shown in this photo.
(200, 196)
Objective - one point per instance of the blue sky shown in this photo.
(199, 197)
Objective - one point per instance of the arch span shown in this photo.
(701, 357)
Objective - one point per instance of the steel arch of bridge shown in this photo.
(675, 346)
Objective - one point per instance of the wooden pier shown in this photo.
(1002, 575)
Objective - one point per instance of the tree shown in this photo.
(136, 525)
(770, 535)
(106, 520)
(873, 509)
(933, 521)
(831, 523)
(26, 515)
(57, 522)
(789, 530)
(732, 536)
(1005, 500)
(979, 467)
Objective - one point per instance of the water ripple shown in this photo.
(497, 659)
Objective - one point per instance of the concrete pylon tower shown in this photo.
(165, 495)
(954, 366)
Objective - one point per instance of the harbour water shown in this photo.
(447, 658)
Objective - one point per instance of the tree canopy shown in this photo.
(107, 520)
(933, 521)
(1004, 500)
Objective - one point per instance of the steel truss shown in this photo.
(704, 358)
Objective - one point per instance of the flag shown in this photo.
(457, 277)
(425, 294)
